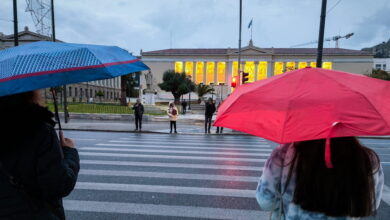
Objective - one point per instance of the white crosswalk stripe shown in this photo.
(193, 170)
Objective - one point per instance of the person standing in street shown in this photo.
(184, 106)
(219, 129)
(37, 169)
(209, 112)
(138, 112)
(173, 114)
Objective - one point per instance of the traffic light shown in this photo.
(245, 77)
(234, 82)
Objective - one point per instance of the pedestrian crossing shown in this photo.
(156, 176)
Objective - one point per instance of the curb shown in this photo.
(187, 133)
(149, 132)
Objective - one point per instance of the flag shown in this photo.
(250, 23)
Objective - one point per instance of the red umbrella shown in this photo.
(308, 104)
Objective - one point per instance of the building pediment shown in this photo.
(251, 51)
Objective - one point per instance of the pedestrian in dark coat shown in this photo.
(138, 112)
(184, 106)
(219, 129)
(35, 171)
(210, 110)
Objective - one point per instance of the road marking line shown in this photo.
(188, 176)
(187, 190)
(170, 157)
(222, 144)
(200, 138)
(84, 139)
(192, 147)
(173, 165)
(164, 210)
(172, 151)
(386, 194)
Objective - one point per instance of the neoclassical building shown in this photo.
(217, 66)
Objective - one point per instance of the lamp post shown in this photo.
(16, 37)
(239, 40)
(321, 34)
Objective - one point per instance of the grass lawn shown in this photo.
(93, 108)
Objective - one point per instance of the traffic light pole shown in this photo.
(16, 37)
(239, 42)
(321, 34)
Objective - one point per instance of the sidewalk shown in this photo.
(187, 124)
(183, 127)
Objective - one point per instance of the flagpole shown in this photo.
(251, 30)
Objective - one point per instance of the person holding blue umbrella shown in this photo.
(38, 168)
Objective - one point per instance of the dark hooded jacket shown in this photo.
(31, 153)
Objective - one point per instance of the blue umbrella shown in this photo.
(48, 64)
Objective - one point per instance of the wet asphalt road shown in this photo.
(163, 176)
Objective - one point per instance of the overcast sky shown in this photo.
(154, 24)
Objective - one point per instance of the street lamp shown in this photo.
(189, 95)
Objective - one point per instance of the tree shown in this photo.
(202, 90)
(100, 94)
(176, 83)
(124, 79)
(379, 74)
(128, 82)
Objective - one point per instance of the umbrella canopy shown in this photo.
(307, 104)
(48, 64)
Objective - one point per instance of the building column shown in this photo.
(256, 70)
(270, 69)
(215, 73)
(204, 72)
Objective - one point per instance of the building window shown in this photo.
(378, 66)
(313, 64)
(278, 68)
(178, 67)
(70, 91)
(235, 68)
(250, 68)
(290, 66)
(210, 66)
(327, 65)
(190, 69)
(262, 70)
(302, 65)
(384, 66)
(221, 72)
(199, 72)
(75, 92)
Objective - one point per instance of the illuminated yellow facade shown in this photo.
(221, 72)
(302, 65)
(199, 73)
(278, 69)
(178, 67)
(313, 64)
(327, 65)
(189, 69)
(218, 66)
(250, 68)
(290, 66)
(210, 66)
(262, 70)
